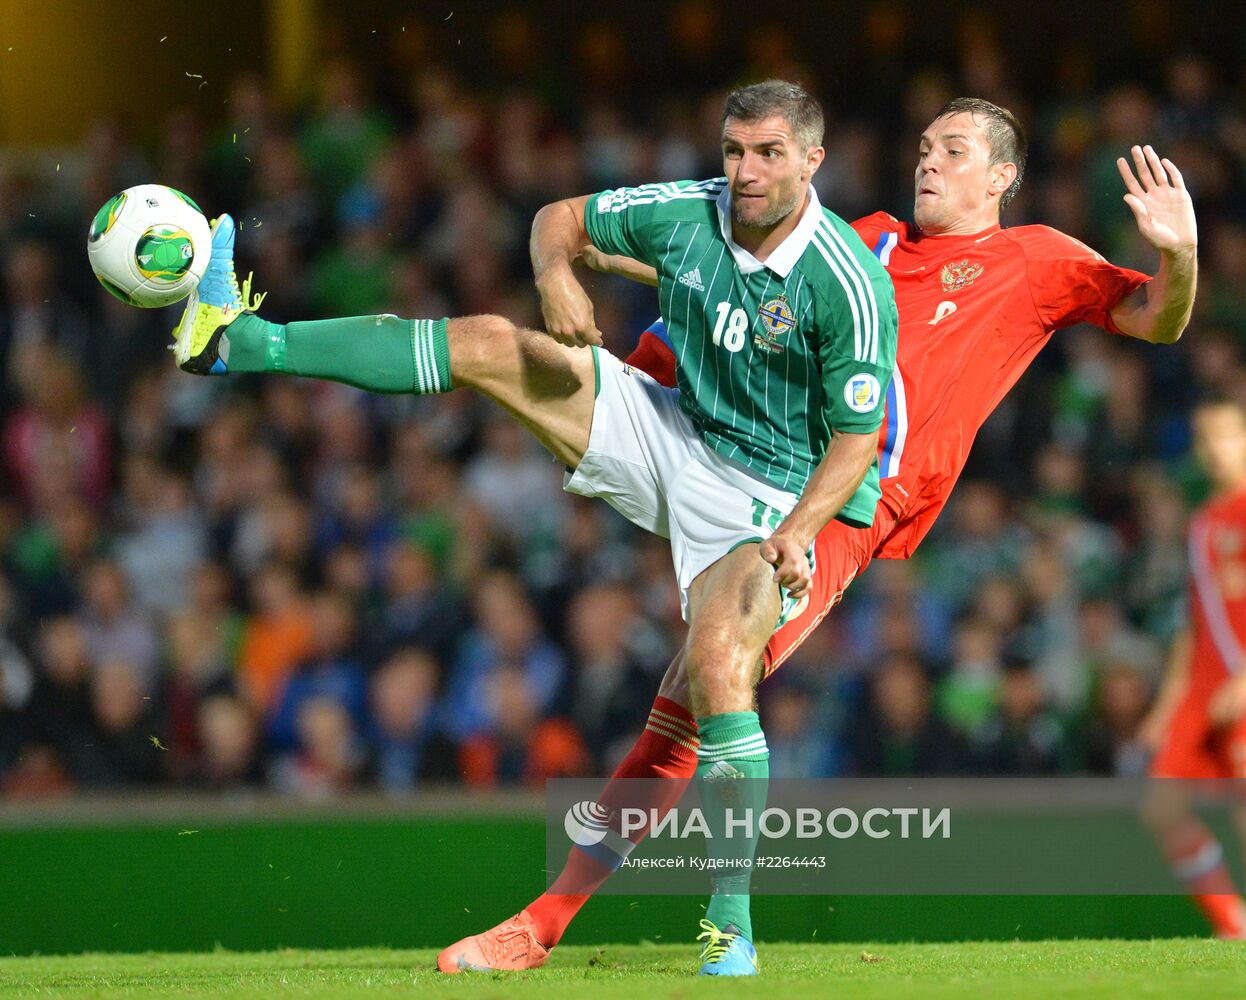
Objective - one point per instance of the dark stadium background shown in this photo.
(302, 592)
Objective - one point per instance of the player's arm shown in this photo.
(1159, 311)
(1228, 704)
(625, 222)
(557, 239)
(624, 267)
(832, 484)
(1152, 729)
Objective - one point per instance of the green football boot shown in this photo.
(200, 344)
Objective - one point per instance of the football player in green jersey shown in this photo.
(784, 330)
(785, 327)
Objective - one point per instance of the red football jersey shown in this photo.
(974, 311)
(1217, 590)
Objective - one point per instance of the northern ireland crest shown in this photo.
(777, 320)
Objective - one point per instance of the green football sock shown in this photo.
(377, 353)
(733, 767)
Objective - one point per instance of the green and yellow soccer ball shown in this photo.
(149, 245)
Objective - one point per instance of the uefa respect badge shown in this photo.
(861, 393)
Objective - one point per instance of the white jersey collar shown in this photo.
(786, 254)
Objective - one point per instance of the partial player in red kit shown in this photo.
(977, 308)
(1198, 724)
(976, 303)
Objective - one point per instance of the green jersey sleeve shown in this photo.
(855, 384)
(629, 220)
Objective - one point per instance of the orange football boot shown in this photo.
(510, 946)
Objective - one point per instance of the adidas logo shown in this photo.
(692, 279)
(722, 771)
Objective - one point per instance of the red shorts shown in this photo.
(840, 554)
(1196, 749)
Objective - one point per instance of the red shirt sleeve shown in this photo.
(653, 356)
(871, 227)
(1071, 283)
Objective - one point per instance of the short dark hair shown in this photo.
(1004, 135)
(798, 107)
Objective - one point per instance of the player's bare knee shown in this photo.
(493, 355)
(480, 348)
(714, 694)
(721, 674)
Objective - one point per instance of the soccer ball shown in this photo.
(149, 245)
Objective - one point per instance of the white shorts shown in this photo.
(647, 461)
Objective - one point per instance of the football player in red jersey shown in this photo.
(1198, 723)
(976, 303)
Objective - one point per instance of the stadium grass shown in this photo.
(1161, 968)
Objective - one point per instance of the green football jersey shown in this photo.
(770, 357)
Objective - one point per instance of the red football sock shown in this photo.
(1197, 860)
(666, 749)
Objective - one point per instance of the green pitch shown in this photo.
(1161, 968)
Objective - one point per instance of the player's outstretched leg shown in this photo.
(548, 387)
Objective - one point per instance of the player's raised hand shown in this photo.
(791, 565)
(1159, 200)
(567, 309)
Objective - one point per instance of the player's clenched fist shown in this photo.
(791, 564)
(567, 309)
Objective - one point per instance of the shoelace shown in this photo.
(248, 302)
(718, 945)
(254, 304)
(503, 940)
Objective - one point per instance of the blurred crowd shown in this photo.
(265, 582)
